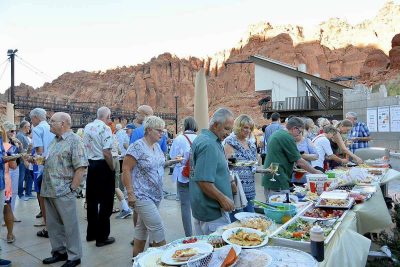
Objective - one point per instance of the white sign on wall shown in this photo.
(383, 119)
(372, 119)
(395, 118)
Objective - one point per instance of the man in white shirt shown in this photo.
(324, 149)
(100, 184)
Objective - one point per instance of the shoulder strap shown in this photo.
(187, 138)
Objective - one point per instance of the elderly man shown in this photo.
(282, 150)
(22, 136)
(359, 134)
(100, 184)
(142, 113)
(41, 139)
(210, 186)
(63, 172)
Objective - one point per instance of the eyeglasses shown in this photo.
(160, 131)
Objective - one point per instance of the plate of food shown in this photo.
(245, 237)
(151, 259)
(244, 163)
(180, 255)
(247, 215)
(259, 223)
(335, 203)
(282, 198)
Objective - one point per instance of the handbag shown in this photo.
(186, 168)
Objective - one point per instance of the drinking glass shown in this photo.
(274, 169)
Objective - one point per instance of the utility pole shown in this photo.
(11, 55)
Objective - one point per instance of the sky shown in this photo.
(54, 36)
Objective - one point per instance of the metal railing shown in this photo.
(291, 104)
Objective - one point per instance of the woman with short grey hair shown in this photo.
(143, 172)
(181, 148)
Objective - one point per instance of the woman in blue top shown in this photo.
(238, 146)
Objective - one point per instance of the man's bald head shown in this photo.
(60, 123)
(143, 112)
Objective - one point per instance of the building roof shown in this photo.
(292, 71)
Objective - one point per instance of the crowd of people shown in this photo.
(129, 162)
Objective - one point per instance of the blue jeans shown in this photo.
(248, 208)
(21, 179)
(28, 182)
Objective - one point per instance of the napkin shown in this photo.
(239, 200)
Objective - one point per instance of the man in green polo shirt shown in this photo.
(282, 149)
(210, 187)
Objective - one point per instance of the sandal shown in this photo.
(10, 239)
(43, 233)
(116, 210)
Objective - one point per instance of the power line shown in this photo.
(4, 70)
(35, 69)
(40, 74)
(3, 62)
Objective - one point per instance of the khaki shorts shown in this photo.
(207, 228)
(149, 222)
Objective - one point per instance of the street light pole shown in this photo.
(176, 114)
(11, 55)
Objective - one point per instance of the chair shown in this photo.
(372, 153)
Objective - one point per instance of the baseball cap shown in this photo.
(130, 126)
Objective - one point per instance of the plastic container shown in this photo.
(280, 216)
(317, 182)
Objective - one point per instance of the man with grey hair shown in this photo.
(41, 139)
(282, 150)
(210, 187)
(63, 173)
(100, 183)
(24, 175)
(359, 134)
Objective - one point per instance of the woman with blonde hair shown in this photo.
(5, 166)
(238, 146)
(143, 172)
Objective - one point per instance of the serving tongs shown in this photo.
(266, 205)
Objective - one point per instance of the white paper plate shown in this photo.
(227, 234)
(246, 215)
(282, 198)
(150, 259)
(202, 248)
(250, 256)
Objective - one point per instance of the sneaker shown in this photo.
(124, 214)
(25, 198)
(31, 197)
(39, 215)
(5, 263)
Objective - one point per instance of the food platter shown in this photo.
(284, 256)
(245, 237)
(151, 259)
(335, 203)
(322, 214)
(255, 258)
(295, 233)
(180, 255)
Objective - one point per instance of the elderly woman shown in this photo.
(8, 194)
(238, 146)
(143, 171)
(181, 148)
(307, 151)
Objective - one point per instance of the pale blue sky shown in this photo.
(59, 36)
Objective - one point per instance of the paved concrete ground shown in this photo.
(28, 250)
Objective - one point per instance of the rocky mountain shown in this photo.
(333, 48)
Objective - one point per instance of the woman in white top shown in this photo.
(181, 148)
